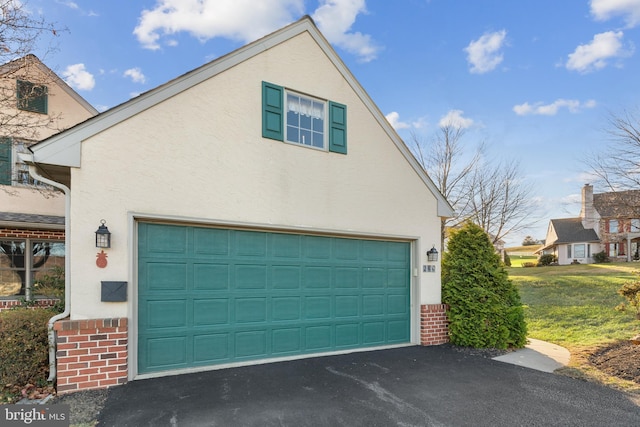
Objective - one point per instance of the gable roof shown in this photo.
(571, 230)
(63, 149)
(33, 60)
(618, 204)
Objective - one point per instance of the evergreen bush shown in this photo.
(547, 259)
(484, 306)
(24, 352)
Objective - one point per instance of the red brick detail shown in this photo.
(434, 325)
(6, 304)
(20, 233)
(76, 368)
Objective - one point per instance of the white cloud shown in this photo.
(78, 77)
(484, 54)
(69, 4)
(248, 20)
(135, 74)
(538, 108)
(603, 10)
(454, 119)
(243, 20)
(594, 56)
(394, 120)
(335, 18)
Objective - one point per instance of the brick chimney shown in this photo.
(588, 212)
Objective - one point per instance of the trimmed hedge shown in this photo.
(484, 305)
(24, 353)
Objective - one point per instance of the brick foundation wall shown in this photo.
(91, 354)
(434, 325)
(6, 304)
(19, 233)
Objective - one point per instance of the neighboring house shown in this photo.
(34, 104)
(608, 222)
(260, 207)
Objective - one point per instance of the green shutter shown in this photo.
(5, 161)
(32, 97)
(337, 128)
(272, 111)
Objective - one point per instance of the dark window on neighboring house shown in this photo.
(32, 97)
(613, 226)
(568, 251)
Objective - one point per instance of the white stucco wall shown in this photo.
(200, 155)
(29, 200)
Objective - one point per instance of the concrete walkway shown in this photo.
(539, 355)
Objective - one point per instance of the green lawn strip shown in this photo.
(574, 305)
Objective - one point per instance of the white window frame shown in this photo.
(582, 248)
(325, 120)
(611, 226)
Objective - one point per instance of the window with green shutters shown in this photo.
(5, 161)
(301, 119)
(32, 97)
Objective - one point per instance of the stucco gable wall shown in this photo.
(201, 155)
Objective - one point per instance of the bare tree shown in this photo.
(492, 195)
(22, 34)
(499, 201)
(618, 166)
(445, 162)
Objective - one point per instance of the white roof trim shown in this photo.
(64, 148)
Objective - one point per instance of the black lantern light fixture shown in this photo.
(103, 236)
(432, 254)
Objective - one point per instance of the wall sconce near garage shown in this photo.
(432, 254)
(103, 236)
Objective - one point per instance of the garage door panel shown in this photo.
(165, 314)
(346, 306)
(211, 241)
(170, 276)
(317, 278)
(286, 341)
(318, 338)
(251, 344)
(285, 308)
(211, 277)
(250, 277)
(317, 307)
(211, 348)
(236, 295)
(250, 244)
(165, 352)
(285, 277)
(209, 312)
(347, 335)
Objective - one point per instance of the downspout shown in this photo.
(67, 267)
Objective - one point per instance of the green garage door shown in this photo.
(210, 296)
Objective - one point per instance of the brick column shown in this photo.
(434, 325)
(91, 354)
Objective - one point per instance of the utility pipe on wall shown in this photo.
(67, 262)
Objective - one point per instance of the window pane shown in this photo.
(48, 268)
(613, 226)
(12, 267)
(305, 121)
(579, 251)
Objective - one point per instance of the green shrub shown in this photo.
(547, 259)
(24, 352)
(528, 264)
(507, 260)
(484, 306)
(631, 291)
(601, 257)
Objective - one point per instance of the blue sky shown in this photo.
(535, 80)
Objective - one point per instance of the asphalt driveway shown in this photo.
(411, 386)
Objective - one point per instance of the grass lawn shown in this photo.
(573, 305)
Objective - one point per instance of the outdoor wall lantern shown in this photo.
(432, 254)
(103, 236)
